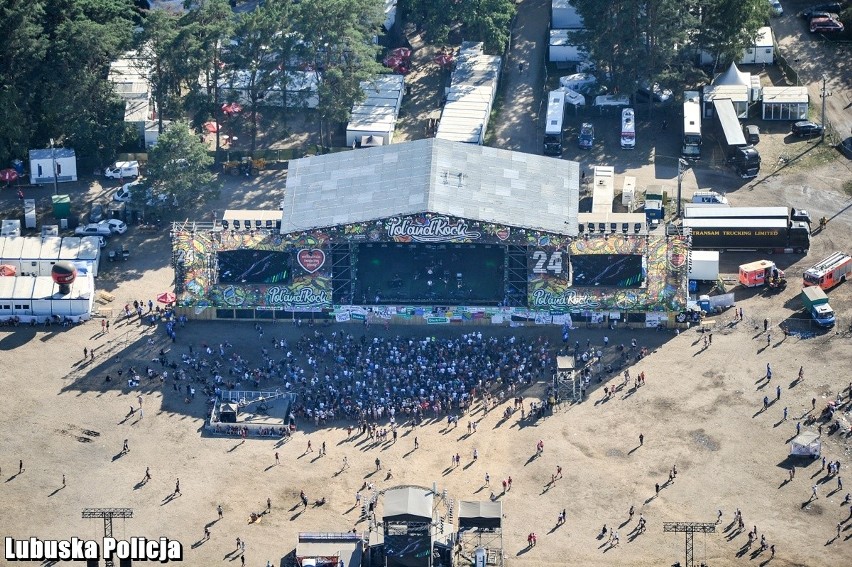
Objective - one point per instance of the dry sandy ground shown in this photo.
(699, 411)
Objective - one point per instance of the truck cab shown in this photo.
(745, 161)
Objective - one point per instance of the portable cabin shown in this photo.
(50, 249)
(30, 257)
(22, 297)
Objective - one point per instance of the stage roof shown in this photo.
(409, 504)
(432, 176)
(480, 514)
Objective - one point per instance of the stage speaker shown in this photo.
(125, 563)
(92, 562)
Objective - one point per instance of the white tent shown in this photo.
(733, 76)
(806, 444)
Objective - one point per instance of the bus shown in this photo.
(829, 272)
(691, 125)
(553, 126)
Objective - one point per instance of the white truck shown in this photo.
(122, 169)
(628, 129)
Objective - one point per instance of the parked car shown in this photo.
(655, 93)
(825, 25)
(834, 7)
(96, 214)
(122, 169)
(116, 226)
(775, 8)
(587, 136)
(123, 195)
(806, 128)
(752, 134)
(94, 229)
(830, 15)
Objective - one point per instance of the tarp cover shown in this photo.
(806, 444)
(480, 515)
(410, 504)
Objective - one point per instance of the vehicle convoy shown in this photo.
(743, 157)
(762, 272)
(816, 304)
(553, 124)
(829, 272)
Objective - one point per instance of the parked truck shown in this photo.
(829, 272)
(743, 157)
(764, 234)
(816, 304)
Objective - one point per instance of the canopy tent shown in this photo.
(733, 76)
(410, 504)
(484, 515)
(806, 444)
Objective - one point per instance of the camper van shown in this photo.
(709, 198)
(553, 126)
(628, 129)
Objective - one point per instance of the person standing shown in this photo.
(277, 459)
(177, 487)
(220, 511)
(641, 439)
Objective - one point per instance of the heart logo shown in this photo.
(503, 233)
(311, 260)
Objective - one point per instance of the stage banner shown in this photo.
(543, 318)
(359, 317)
(563, 319)
(342, 317)
(497, 319)
(437, 320)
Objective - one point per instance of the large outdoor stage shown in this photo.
(436, 267)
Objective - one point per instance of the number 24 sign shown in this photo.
(547, 262)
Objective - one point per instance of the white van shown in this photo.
(709, 198)
(122, 169)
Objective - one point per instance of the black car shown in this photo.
(832, 7)
(806, 128)
(97, 213)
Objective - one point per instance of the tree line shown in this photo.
(56, 56)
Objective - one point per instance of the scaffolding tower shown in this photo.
(689, 528)
(565, 380)
(107, 514)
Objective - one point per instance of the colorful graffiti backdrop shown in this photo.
(665, 288)
(309, 289)
(311, 285)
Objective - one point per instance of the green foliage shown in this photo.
(179, 166)
(53, 63)
(648, 41)
(488, 21)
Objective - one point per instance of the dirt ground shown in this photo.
(700, 411)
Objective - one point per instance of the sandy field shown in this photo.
(700, 411)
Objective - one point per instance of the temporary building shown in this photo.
(30, 257)
(565, 47)
(293, 89)
(806, 444)
(42, 166)
(473, 81)
(564, 15)
(50, 249)
(129, 77)
(89, 255)
(374, 119)
(785, 103)
(12, 249)
(761, 51)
